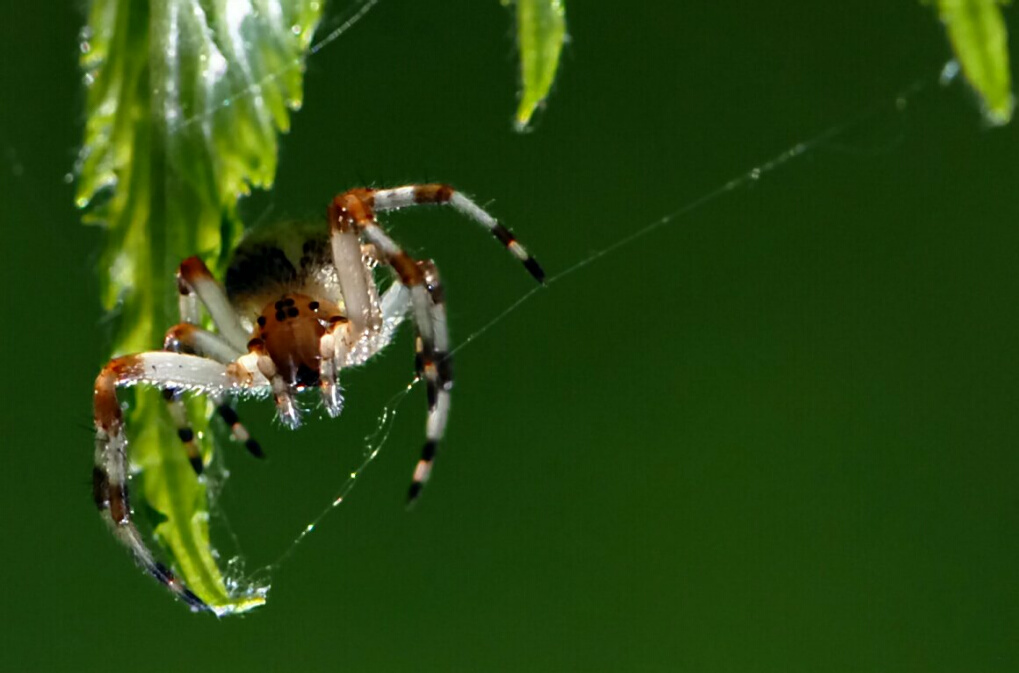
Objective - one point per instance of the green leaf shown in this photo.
(976, 29)
(185, 99)
(541, 33)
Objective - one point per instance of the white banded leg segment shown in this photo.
(386, 246)
(347, 258)
(423, 315)
(395, 198)
(437, 306)
(189, 338)
(179, 370)
(238, 432)
(187, 302)
(346, 214)
(186, 434)
(408, 273)
(198, 279)
(395, 303)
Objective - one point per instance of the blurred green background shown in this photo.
(778, 434)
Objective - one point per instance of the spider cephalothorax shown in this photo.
(289, 331)
(295, 309)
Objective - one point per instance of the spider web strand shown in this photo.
(745, 179)
(254, 88)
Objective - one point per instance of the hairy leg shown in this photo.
(111, 471)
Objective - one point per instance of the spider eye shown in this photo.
(261, 321)
(313, 306)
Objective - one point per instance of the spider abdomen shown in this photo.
(276, 260)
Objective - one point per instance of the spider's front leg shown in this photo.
(195, 283)
(395, 198)
(353, 212)
(352, 215)
(434, 364)
(334, 347)
(355, 278)
(111, 472)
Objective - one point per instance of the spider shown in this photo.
(294, 310)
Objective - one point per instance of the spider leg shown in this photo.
(435, 365)
(191, 339)
(194, 278)
(333, 348)
(395, 303)
(179, 414)
(352, 211)
(187, 338)
(416, 195)
(110, 474)
(286, 405)
(352, 214)
(354, 278)
(335, 344)
(238, 432)
(187, 300)
(202, 342)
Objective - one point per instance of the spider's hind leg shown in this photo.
(191, 339)
(238, 432)
(186, 434)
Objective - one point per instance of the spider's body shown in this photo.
(283, 286)
(297, 306)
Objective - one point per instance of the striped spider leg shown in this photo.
(196, 288)
(111, 471)
(298, 305)
(352, 213)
